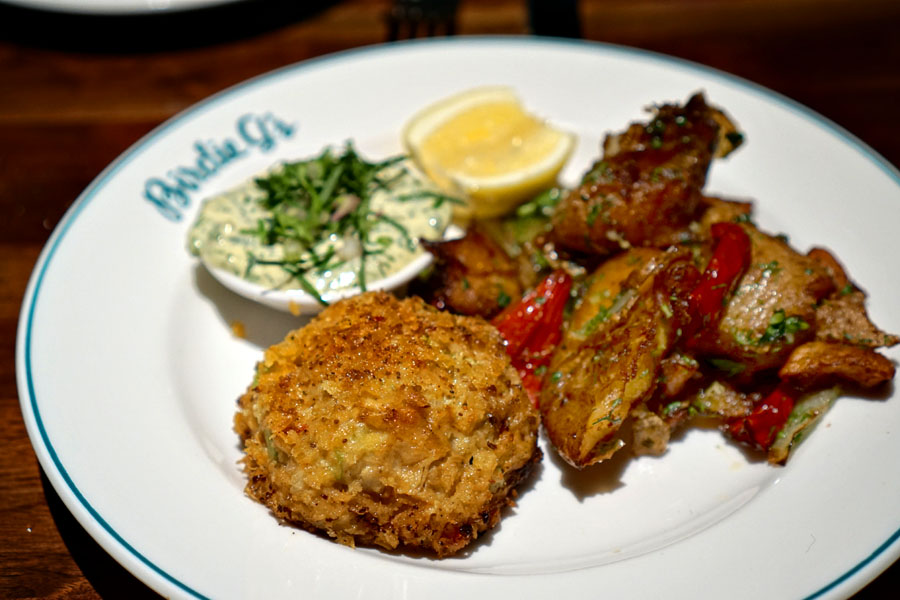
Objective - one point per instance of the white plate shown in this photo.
(118, 7)
(128, 371)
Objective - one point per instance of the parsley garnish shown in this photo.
(592, 215)
(770, 269)
(542, 205)
(503, 299)
(782, 327)
(595, 321)
(730, 367)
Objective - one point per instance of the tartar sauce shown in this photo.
(239, 231)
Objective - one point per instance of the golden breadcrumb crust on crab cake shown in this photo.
(385, 421)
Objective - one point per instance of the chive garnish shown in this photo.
(328, 196)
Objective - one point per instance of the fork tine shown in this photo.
(557, 18)
(409, 18)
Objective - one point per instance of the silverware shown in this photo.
(421, 18)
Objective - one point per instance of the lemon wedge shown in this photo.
(482, 146)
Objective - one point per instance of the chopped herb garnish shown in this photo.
(744, 338)
(329, 198)
(592, 215)
(313, 199)
(609, 416)
(438, 198)
(685, 360)
(598, 171)
(656, 127)
(781, 327)
(595, 321)
(310, 289)
(730, 367)
(671, 408)
(410, 243)
(666, 309)
(770, 269)
(542, 205)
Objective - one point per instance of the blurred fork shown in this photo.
(555, 18)
(418, 18)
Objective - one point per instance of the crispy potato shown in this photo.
(823, 364)
(607, 290)
(473, 275)
(647, 188)
(843, 319)
(594, 384)
(720, 210)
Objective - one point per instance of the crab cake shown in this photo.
(388, 422)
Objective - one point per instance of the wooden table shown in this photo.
(75, 92)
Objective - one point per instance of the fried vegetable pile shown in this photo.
(678, 309)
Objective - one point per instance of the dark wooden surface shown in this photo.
(77, 91)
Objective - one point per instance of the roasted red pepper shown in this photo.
(729, 262)
(760, 427)
(532, 327)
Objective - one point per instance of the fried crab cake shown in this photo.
(388, 422)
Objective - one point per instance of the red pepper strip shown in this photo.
(760, 427)
(729, 262)
(532, 327)
(526, 324)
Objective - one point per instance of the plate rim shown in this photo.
(127, 554)
(121, 8)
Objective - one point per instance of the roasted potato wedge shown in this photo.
(593, 384)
